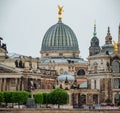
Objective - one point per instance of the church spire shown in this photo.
(108, 33)
(94, 43)
(108, 38)
(94, 33)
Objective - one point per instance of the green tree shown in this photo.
(59, 96)
(46, 99)
(8, 97)
(1, 97)
(38, 98)
(20, 97)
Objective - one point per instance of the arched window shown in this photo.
(81, 72)
(116, 83)
(117, 98)
(115, 67)
(95, 67)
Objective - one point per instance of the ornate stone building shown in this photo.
(104, 71)
(95, 81)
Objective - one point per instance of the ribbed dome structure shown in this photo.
(60, 41)
(59, 37)
(66, 76)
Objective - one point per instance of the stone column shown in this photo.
(79, 100)
(109, 89)
(106, 89)
(16, 84)
(4, 84)
(8, 84)
(102, 90)
(22, 84)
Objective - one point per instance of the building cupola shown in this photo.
(94, 47)
(108, 47)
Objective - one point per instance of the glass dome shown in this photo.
(64, 76)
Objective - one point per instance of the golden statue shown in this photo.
(115, 46)
(60, 10)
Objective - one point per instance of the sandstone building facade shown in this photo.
(96, 81)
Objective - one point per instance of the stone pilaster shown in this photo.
(102, 90)
(18, 84)
(89, 83)
(109, 89)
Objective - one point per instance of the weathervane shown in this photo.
(60, 10)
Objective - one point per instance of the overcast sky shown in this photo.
(23, 23)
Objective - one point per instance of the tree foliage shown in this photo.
(38, 98)
(1, 97)
(46, 98)
(59, 96)
(8, 97)
(19, 97)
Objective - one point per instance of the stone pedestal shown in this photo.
(30, 103)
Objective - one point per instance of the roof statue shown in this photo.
(115, 46)
(60, 10)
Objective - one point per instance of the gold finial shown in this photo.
(115, 46)
(60, 10)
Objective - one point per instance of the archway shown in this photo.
(81, 72)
